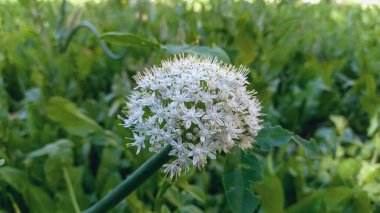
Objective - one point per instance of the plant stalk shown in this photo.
(90, 27)
(71, 190)
(132, 182)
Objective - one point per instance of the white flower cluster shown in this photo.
(197, 105)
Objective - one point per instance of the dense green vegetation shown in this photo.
(315, 69)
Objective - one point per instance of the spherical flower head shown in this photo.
(197, 105)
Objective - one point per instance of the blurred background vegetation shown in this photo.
(315, 67)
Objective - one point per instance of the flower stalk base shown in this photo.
(132, 182)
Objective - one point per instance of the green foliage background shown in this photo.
(315, 68)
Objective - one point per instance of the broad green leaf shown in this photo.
(110, 163)
(165, 209)
(311, 147)
(173, 195)
(36, 198)
(76, 178)
(85, 62)
(332, 199)
(70, 117)
(361, 203)
(373, 191)
(240, 170)
(194, 191)
(189, 209)
(59, 154)
(242, 200)
(215, 52)
(348, 169)
(271, 194)
(56, 148)
(247, 48)
(129, 39)
(63, 202)
(272, 136)
(111, 182)
(17, 178)
(39, 201)
(136, 204)
(38, 78)
(368, 173)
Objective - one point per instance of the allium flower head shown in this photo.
(197, 105)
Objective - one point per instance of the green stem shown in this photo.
(270, 163)
(132, 182)
(376, 152)
(90, 27)
(158, 200)
(375, 155)
(71, 190)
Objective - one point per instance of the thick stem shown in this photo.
(132, 182)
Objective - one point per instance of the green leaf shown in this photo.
(247, 49)
(36, 198)
(369, 173)
(110, 163)
(70, 117)
(15, 177)
(129, 40)
(56, 148)
(361, 203)
(194, 191)
(332, 199)
(189, 209)
(271, 136)
(112, 180)
(63, 202)
(76, 177)
(173, 195)
(59, 154)
(165, 209)
(39, 201)
(240, 170)
(311, 148)
(2, 162)
(374, 124)
(136, 204)
(271, 194)
(215, 52)
(348, 169)
(340, 123)
(373, 191)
